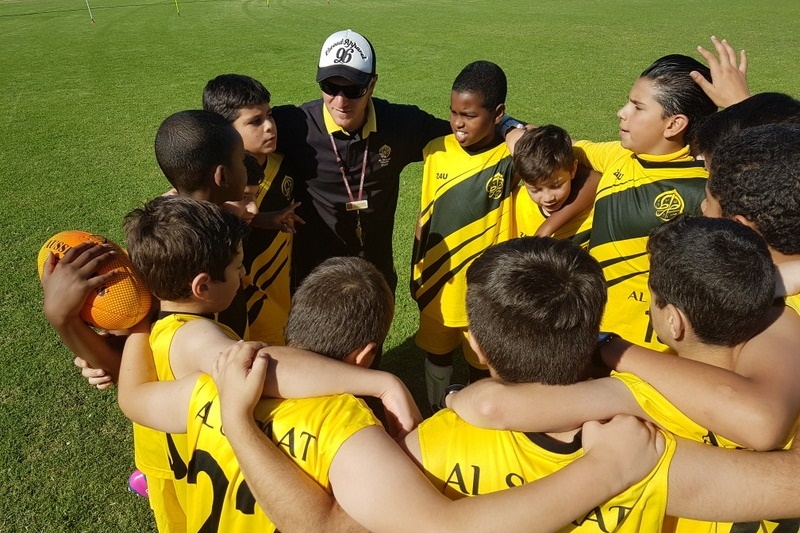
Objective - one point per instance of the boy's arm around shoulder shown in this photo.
(584, 200)
(161, 405)
(296, 373)
(536, 407)
(292, 500)
(710, 483)
(618, 454)
(756, 405)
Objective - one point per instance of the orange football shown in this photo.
(119, 304)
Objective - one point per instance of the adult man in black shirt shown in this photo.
(346, 152)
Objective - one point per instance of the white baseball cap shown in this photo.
(347, 54)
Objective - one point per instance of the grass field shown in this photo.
(81, 103)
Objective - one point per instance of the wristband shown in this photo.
(508, 123)
(450, 389)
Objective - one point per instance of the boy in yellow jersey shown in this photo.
(464, 208)
(263, 304)
(545, 162)
(534, 307)
(190, 255)
(202, 157)
(542, 299)
(343, 309)
(648, 178)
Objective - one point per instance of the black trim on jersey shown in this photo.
(165, 314)
(552, 445)
(461, 196)
(622, 210)
(669, 164)
(427, 297)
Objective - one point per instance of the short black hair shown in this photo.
(190, 145)
(715, 270)
(227, 94)
(542, 151)
(756, 174)
(759, 109)
(486, 79)
(172, 239)
(343, 305)
(534, 306)
(677, 92)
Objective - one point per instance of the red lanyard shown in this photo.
(354, 204)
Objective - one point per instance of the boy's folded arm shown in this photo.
(756, 406)
(542, 408)
(161, 405)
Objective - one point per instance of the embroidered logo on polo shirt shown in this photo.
(494, 187)
(287, 187)
(668, 205)
(384, 155)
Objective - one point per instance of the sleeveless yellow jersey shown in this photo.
(672, 419)
(636, 193)
(462, 459)
(159, 454)
(261, 307)
(528, 216)
(465, 208)
(310, 431)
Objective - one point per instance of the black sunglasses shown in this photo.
(350, 92)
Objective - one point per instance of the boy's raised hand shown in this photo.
(627, 447)
(728, 74)
(283, 220)
(68, 281)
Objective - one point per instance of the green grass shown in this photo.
(81, 103)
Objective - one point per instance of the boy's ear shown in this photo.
(744, 221)
(362, 357)
(219, 176)
(676, 125)
(200, 286)
(477, 349)
(574, 170)
(677, 322)
(499, 111)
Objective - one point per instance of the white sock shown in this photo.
(437, 378)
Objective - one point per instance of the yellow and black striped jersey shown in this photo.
(636, 193)
(261, 307)
(465, 208)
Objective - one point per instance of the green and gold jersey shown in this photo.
(528, 217)
(672, 419)
(310, 431)
(464, 460)
(465, 208)
(261, 307)
(636, 193)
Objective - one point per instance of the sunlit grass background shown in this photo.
(80, 104)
